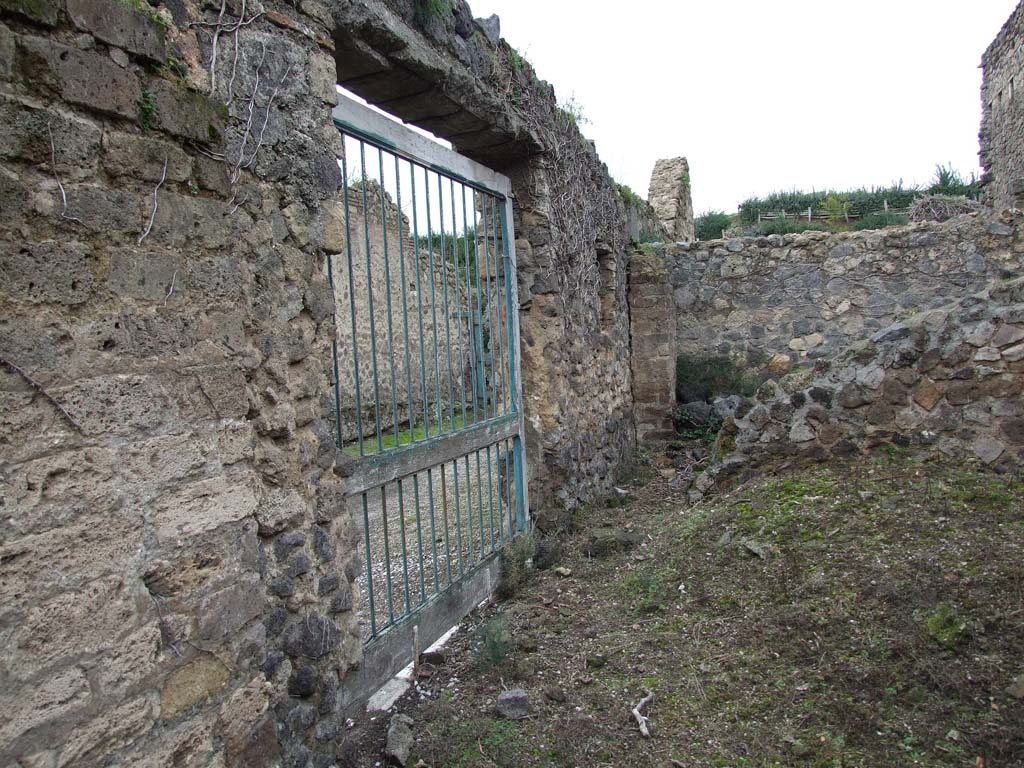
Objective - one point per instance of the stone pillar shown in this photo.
(652, 335)
(669, 195)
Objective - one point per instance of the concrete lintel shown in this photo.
(398, 137)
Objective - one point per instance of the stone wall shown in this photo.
(778, 302)
(176, 559)
(652, 344)
(176, 562)
(1002, 122)
(669, 196)
(949, 380)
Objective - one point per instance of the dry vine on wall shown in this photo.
(247, 117)
(579, 207)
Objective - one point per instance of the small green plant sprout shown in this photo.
(684, 179)
(149, 11)
(573, 110)
(495, 640)
(516, 565)
(946, 626)
(426, 11)
(147, 110)
(629, 197)
(516, 60)
(173, 69)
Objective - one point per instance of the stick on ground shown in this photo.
(641, 720)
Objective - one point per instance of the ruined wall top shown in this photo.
(1002, 125)
(669, 195)
(447, 72)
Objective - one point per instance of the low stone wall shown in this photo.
(948, 380)
(1002, 121)
(773, 303)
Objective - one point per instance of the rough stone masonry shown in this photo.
(1002, 124)
(176, 560)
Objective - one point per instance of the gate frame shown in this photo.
(392, 650)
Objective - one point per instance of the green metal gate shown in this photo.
(427, 386)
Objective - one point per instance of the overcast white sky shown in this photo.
(765, 96)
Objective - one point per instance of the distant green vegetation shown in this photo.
(947, 181)
(702, 377)
(787, 227)
(460, 250)
(880, 220)
(709, 226)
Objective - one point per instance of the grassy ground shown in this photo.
(866, 614)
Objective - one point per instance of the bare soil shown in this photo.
(860, 614)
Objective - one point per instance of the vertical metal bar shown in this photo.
(419, 300)
(405, 307)
(444, 517)
(433, 306)
(495, 292)
(419, 537)
(405, 554)
(447, 313)
(469, 511)
(512, 321)
(387, 553)
(507, 491)
(458, 520)
(470, 325)
(369, 300)
(480, 298)
(499, 458)
(490, 494)
(511, 298)
(458, 298)
(502, 309)
(490, 309)
(480, 504)
(352, 303)
(369, 567)
(334, 358)
(433, 530)
(387, 297)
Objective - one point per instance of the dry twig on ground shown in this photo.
(642, 720)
